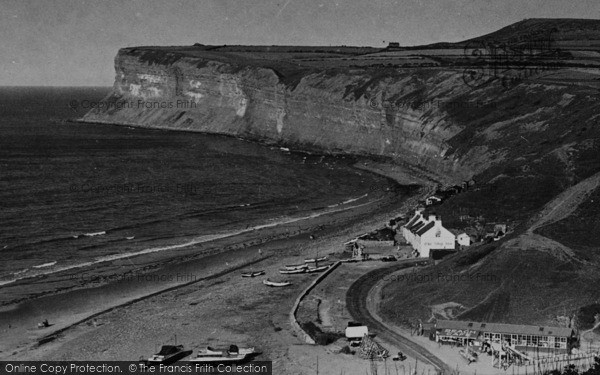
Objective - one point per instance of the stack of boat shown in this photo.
(305, 267)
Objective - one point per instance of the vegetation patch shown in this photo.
(320, 337)
(587, 316)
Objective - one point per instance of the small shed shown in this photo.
(463, 239)
(356, 333)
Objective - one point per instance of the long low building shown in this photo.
(522, 337)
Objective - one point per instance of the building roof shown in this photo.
(356, 332)
(412, 221)
(417, 226)
(514, 329)
(426, 228)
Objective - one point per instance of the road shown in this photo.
(356, 303)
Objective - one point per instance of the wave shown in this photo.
(195, 241)
(49, 264)
(355, 199)
(93, 234)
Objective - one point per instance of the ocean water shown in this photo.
(73, 193)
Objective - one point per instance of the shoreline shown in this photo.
(142, 262)
(23, 316)
(72, 309)
(208, 238)
(396, 175)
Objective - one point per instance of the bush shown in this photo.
(320, 337)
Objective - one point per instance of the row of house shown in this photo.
(526, 338)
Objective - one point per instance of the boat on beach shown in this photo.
(168, 354)
(286, 271)
(315, 260)
(252, 273)
(232, 354)
(296, 267)
(317, 269)
(276, 284)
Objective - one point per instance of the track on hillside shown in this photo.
(356, 303)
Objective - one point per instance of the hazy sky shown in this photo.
(73, 43)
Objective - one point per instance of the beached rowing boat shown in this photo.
(276, 284)
(168, 354)
(314, 260)
(296, 267)
(233, 354)
(300, 270)
(317, 269)
(252, 273)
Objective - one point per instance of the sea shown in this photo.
(72, 194)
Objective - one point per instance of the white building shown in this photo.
(434, 199)
(425, 234)
(463, 239)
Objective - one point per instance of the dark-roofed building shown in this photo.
(393, 46)
(425, 234)
(521, 337)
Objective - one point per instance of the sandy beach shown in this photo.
(200, 301)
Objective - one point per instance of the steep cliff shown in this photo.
(426, 117)
(333, 112)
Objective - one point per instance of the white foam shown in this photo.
(49, 264)
(195, 241)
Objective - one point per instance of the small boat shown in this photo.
(169, 354)
(252, 273)
(296, 267)
(275, 283)
(300, 270)
(399, 357)
(233, 354)
(314, 260)
(130, 237)
(317, 269)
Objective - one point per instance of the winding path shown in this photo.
(356, 303)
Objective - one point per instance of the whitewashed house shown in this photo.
(425, 234)
(463, 239)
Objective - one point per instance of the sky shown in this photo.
(73, 43)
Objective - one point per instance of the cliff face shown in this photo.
(428, 117)
(320, 112)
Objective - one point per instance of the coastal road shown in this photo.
(356, 303)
